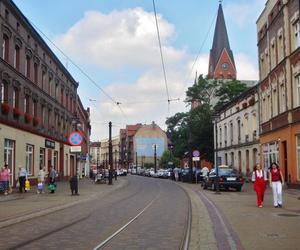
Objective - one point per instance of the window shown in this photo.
(15, 98)
(5, 48)
(239, 130)
(42, 157)
(298, 157)
(280, 48)
(296, 34)
(43, 80)
(34, 111)
(56, 92)
(27, 66)
(67, 101)
(273, 53)
(29, 159)
(26, 104)
(225, 134)
(282, 104)
(49, 118)
(297, 78)
(270, 154)
(35, 73)
(50, 86)
(4, 94)
(43, 115)
(55, 160)
(17, 57)
(274, 103)
(231, 132)
(62, 96)
(70, 103)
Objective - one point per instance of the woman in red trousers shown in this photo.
(259, 178)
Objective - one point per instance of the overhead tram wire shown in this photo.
(161, 56)
(81, 70)
(200, 50)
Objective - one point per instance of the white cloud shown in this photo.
(120, 37)
(246, 70)
(128, 38)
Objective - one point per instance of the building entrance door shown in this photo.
(49, 160)
(9, 158)
(285, 163)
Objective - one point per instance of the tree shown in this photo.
(203, 90)
(167, 157)
(228, 91)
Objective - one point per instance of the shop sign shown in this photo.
(49, 144)
(75, 149)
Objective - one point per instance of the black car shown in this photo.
(196, 175)
(228, 178)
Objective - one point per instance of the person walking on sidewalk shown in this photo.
(41, 180)
(259, 178)
(22, 178)
(74, 185)
(52, 183)
(4, 178)
(276, 182)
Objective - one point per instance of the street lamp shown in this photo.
(216, 118)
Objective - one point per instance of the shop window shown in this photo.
(42, 158)
(29, 159)
(270, 154)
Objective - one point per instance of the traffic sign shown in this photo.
(196, 158)
(75, 138)
(75, 149)
(196, 153)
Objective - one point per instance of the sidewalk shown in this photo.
(18, 207)
(233, 220)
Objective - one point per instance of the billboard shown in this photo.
(145, 146)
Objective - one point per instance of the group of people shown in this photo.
(276, 181)
(4, 179)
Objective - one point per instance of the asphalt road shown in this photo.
(152, 213)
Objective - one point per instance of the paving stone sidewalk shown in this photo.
(239, 213)
(18, 207)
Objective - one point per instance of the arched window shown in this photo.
(5, 48)
(17, 57)
(27, 66)
(4, 92)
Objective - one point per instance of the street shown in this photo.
(148, 213)
(86, 225)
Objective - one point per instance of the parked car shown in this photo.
(228, 178)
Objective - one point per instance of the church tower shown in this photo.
(221, 61)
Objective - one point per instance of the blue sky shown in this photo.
(120, 49)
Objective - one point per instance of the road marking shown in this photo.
(126, 225)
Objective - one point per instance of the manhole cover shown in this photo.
(288, 215)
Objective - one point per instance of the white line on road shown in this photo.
(126, 225)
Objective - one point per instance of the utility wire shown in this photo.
(81, 70)
(161, 55)
(200, 50)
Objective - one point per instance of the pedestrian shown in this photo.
(74, 185)
(116, 174)
(176, 175)
(259, 177)
(52, 183)
(4, 179)
(276, 183)
(41, 180)
(22, 178)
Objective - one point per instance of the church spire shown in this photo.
(221, 61)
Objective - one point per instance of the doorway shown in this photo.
(9, 158)
(49, 159)
(285, 163)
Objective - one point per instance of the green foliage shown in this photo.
(167, 157)
(228, 91)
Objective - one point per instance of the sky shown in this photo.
(114, 42)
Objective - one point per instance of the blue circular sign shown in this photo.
(75, 139)
(196, 153)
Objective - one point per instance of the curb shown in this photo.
(35, 214)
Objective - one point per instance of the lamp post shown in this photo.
(154, 146)
(216, 119)
(110, 157)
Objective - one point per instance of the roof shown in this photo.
(220, 41)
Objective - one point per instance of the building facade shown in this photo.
(38, 100)
(104, 152)
(278, 32)
(145, 139)
(95, 154)
(237, 133)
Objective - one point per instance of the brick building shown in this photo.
(38, 100)
(279, 87)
